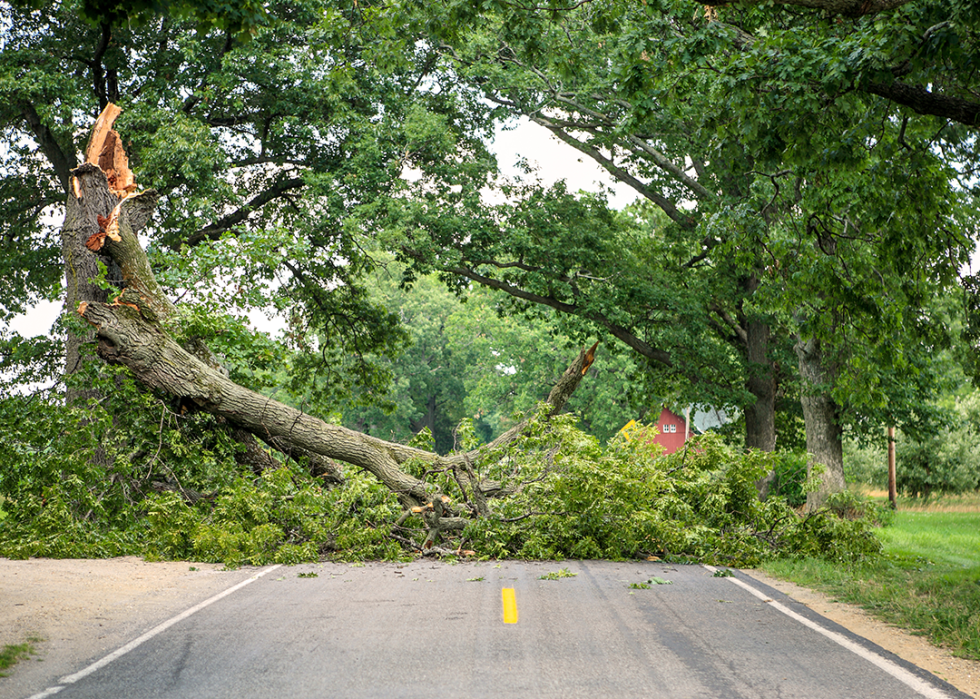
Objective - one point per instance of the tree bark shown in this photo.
(89, 200)
(760, 417)
(824, 436)
(760, 423)
(923, 101)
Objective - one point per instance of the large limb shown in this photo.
(126, 336)
(130, 337)
(131, 331)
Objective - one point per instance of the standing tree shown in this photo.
(799, 213)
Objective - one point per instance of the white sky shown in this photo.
(553, 159)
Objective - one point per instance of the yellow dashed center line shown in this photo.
(510, 605)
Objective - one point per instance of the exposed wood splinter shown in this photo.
(108, 228)
(106, 150)
(589, 358)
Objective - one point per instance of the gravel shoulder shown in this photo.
(85, 609)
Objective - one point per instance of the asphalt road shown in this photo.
(433, 630)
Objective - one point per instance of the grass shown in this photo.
(11, 654)
(927, 581)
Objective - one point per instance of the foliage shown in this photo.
(178, 494)
(790, 483)
(826, 217)
(930, 462)
(12, 653)
(577, 500)
(275, 157)
(468, 357)
(557, 574)
(284, 159)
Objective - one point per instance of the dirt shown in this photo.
(84, 609)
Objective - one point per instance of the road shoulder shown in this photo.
(961, 673)
(82, 609)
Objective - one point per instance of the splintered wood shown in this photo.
(108, 228)
(106, 150)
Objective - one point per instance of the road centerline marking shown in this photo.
(509, 600)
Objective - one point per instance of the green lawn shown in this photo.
(928, 581)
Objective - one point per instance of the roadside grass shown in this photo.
(927, 581)
(11, 654)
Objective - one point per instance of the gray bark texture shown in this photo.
(760, 417)
(89, 200)
(824, 436)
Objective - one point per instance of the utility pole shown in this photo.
(892, 493)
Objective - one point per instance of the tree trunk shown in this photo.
(89, 201)
(760, 417)
(428, 418)
(823, 431)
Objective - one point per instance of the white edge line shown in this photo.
(68, 679)
(896, 671)
(47, 692)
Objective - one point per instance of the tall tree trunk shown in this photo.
(824, 436)
(760, 417)
(90, 201)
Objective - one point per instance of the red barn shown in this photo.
(672, 430)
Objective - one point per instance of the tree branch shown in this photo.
(922, 101)
(223, 225)
(848, 8)
(617, 331)
(62, 162)
(619, 173)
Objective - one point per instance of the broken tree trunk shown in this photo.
(104, 217)
(131, 331)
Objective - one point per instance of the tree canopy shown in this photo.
(792, 237)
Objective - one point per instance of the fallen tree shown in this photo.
(132, 330)
(543, 489)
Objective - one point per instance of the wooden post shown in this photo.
(892, 494)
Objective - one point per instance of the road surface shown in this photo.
(427, 629)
